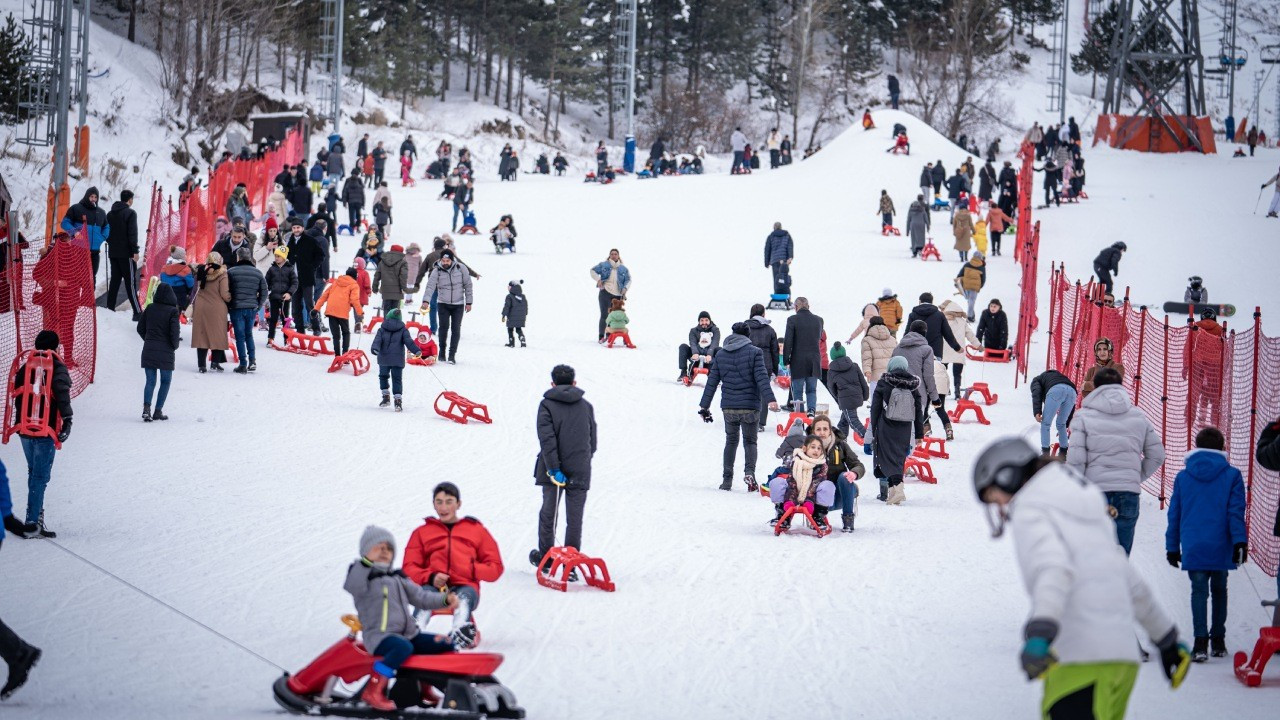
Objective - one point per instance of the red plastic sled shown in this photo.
(930, 251)
(553, 571)
(889, 230)
(918, 464)
(988, 354)
(28, 409)
(688, 380)
(784, 427)
(800, 510)
(358, 361)
(981, 388)
(468, 230)
(460, 409)
(962, 405)
(307, 344)
(932, 447)
(624, 336)
(783, 381)
(1249, 669)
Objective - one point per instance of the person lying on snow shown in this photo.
(382, 596)
(806, 483)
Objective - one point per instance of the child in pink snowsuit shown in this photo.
(406, 168)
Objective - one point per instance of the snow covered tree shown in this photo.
(1095, 49)
(15, 53)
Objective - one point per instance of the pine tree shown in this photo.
(15, 74)
(1095, 48)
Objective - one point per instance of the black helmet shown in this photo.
(1195, 281)
(1119, 246)
(1003, 464)
(1208, 314)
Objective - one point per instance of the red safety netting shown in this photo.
(1184, 377)
(54, 290)
(1026, 251)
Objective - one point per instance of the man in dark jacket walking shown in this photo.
(740, 366)
(802, 353)
(939, 330)
(566, 443)
(764, 337)
(353, 197)
(306, 254)
(248, 295)
(779, 250)
(895, 91)
(1107, 264)
(122, 252)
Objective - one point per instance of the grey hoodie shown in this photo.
(920, 361)
(382, 595)
(1112, 443)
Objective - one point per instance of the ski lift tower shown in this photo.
(1160, 77)
(624, 80)
(329, 87)
(46, 95)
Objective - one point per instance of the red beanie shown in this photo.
(397, 248)
(271, 223)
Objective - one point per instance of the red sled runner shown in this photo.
(784, 523)
(460, 409)
(978, 354)
(1249, 669)
(466, 681)
(889, 230)
(930, 251)
(566, 563)
(358, 361)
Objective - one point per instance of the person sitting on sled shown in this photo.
(452, 553)
(806, 483)
(901, 145)
(867, 122)
(382, 596)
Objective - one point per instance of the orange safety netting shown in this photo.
(1184, 377)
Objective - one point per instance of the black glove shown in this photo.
(1175, 558)
(66, 430)
(1241, 554)
(706, 415)
(1036, 657)
(937, 403)
(1175, 659)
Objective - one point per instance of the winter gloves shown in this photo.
(1175, 659)
(1036, 657)
(706, 415)
(66, 430)
(1240, 554)
(557, 478)
(1175, 558)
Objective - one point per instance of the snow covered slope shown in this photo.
(245, 508)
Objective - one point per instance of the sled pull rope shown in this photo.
(140, 591)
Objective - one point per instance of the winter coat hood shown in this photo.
(912, 340)
(1205, 465)
(164, 295)
(1109, 399)
(93, 191)
(735, 342)
(952, 310)
(840, 364)
(567, 394)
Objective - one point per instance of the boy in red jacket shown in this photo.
(453, 554)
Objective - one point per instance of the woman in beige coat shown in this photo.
(209, 312)
(962, 227)
(958, 319)
(877, 347)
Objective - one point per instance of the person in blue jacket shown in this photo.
(87, 212)
(16, 652)
(389, 346)
(1207, 535)
(779, 251)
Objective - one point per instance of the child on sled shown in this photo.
(803, 481)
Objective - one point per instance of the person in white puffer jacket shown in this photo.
(1085, 596)
(1115, 447)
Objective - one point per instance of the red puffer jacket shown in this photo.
(465, 551)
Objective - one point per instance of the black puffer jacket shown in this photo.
(1042, 383)
(764, 337)
(516, 307)
(281, 279)
(123, 238)
(739, 367)
(993, 330)
(353, 191)
(847, 383)
(159, 329)
(1109, 260)
(566, 436)
(939, 329)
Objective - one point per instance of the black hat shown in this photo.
(448, 254)
(47, 340)
(704, 314)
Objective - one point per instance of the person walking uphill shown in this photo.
(1207, 535)
(779, 250)
(1116, 448)
(971, 278)
(897, 415)
(566, 443)
(849, 387)
(248, 295)
(802, 353)
(450, 283)
(391, 279)
(918, 224)
(40, 450)
(613, 280)
(1085, 598)
(122, 252)
(161, 337)
(741, 367)
(86, 215)
(339, 300)
(389, 346)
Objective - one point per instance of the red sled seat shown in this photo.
(982, 389)
(889, 230)
(622, 335)
(306, 344)
(930, 251)
(988, 354)
(784, 427)
(1249, 669)
(358, 361)
(553, 572)
(780, 527)
(917, 464)
(460, 409)
(962, 405)
(688, 380)
(932, 447)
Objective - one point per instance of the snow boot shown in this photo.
(146, 413)
(253, 366)
(399, 406)
(847, 520)
(727, 485)
(375, 692)
(19, 670)
(896, 495)
(1200, 653)
(159, 414)
(241, 370)
(1044, 451)
(1217, 647)
(950, 435)
(928, 429)
(535, 557)
(522, 343)
(38, 529)
(750, 480)
(216, 367)
(1271, 214)
(386, 400)
(821, 524)
(884, 490)
(1062, 453)
(777, 516)
(510, 344)
(13, 525)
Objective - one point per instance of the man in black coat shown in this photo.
(362, 147)
(285, 180)
(895, 91)
(656, 150)
(1107, 264)
(939, 329)
(802, 353)
(740, 368)
(306, 253)
(122, 252)
(938, 175)
(566, 442)
(300, 199)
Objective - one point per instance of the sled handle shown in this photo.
(352, 622)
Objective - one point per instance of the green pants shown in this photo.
(1088, 691)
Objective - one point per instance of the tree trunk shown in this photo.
(444, 65)
(133, 19)
(511, 60)
(471, 46)
(497, 88)
(306, 67)
(520, 91)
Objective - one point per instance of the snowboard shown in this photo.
(1197, 308)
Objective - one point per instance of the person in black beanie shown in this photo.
(40, 449)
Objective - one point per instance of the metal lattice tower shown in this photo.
(623, 82)
(44, 21)
(1058, 68)
(1161, 77)
(329, 84)
(80, 45)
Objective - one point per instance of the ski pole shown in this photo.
(1259, 200)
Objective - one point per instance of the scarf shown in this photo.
(802, 467)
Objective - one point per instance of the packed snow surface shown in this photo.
(245, 508)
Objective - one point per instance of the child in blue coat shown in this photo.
(1207, 535)
(389, 346)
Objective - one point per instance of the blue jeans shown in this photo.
(395, 374)
(431, 312)
(1204, 582)
(165, 377)
(395, 650)
(1126, 505)
(846, 493)
(457, 210)
(1058, 404)
(40, 453)
(242, 323)
(802, 387)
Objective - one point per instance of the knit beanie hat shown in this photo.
(448, 254)
(886, 293)
(351, 273)
(837, 351)
(704, 314)
(177, 253)
(282, 252)
(740, 328)
(47, 340)
(397, 248)
(897, 363)
(373, 535)
(393, 314)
